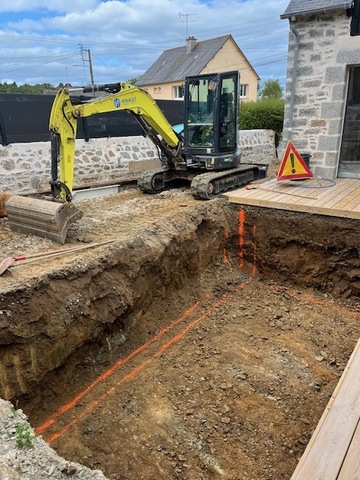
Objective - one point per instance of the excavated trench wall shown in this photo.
(47, 318)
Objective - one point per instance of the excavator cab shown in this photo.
(211, 121)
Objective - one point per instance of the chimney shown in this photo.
(190, 44)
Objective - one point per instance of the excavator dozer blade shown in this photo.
(40, 217)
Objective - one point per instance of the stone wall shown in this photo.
(25, 167)
(325, 51)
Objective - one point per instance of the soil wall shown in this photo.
(61, 306)
(308, 250)
(48, 311)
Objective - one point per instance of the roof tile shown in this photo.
(299, 7)
(174, 64)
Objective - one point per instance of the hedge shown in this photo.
(263, 114)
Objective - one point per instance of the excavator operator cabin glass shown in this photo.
(211, 114)
(227, 115)
(200, 114)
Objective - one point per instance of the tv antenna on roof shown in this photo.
(187, 21)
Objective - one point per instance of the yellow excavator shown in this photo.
(205, 154)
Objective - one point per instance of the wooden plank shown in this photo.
(354, 203)
(333, 195)
(344, 194)
(324, 455)
(351, 466)
(352, 189)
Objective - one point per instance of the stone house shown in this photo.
(322, 112)
(164, 79)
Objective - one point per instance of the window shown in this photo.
(178, 92)
(243, 90)
(354, 13)
(349, 165)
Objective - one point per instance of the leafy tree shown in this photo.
(271, 89)
(25, 88)
(132, 80)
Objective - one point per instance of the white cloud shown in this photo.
(16, 6)
(125, 37)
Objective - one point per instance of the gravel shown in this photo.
(25, 456)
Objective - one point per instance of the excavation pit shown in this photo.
(203, 341)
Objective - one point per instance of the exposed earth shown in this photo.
(203, 342)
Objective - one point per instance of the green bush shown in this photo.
(263, 114)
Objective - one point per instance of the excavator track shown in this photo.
(211, 185)
(203, 185)
(155, 181)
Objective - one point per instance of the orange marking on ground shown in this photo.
(254, 270)
(117, 365)
(226, 256)
(307, 299)
(241, 238)
(140, 367)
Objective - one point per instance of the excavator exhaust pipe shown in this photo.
(43, 218)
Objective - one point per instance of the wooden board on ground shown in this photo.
(339, 197)
(333, 451)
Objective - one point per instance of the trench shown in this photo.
(160, 356)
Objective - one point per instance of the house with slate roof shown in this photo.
(322, 112)
(165, 78)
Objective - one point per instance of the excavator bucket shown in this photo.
(40, 217)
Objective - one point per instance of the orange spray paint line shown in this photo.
(140, 367)
(254, 270)
(314, 301)
(39, 430)
(135, 370)
(241, 238)
(225, 253)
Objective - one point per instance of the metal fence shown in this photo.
(25, 119)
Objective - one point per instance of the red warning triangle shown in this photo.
(293, 166)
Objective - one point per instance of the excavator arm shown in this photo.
(65, 114)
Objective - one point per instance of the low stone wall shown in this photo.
(25, 167)
(257, 146)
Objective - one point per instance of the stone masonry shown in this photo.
(325, 52)
(25, 167)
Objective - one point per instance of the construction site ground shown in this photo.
(204, 341)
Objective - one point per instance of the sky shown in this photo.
(51, 41)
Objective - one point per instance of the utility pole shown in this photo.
(83, 52)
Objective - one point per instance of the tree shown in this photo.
(25, 88)
(271, 89)
(132, 80)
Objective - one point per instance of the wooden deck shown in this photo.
(333, 452)
(339, 197)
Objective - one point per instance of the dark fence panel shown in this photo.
(25, 118)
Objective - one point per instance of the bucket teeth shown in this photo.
(43, 218)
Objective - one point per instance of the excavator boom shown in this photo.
(65, 115)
